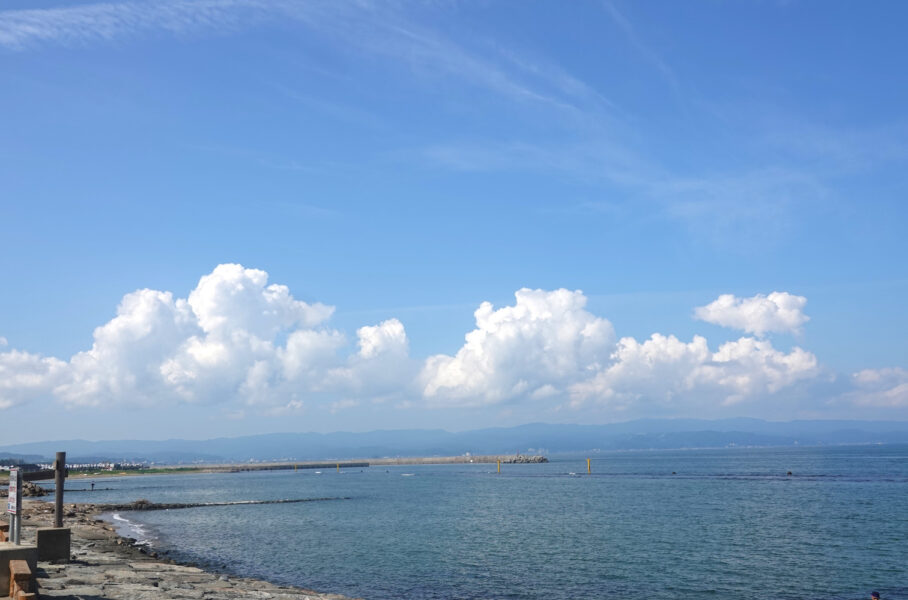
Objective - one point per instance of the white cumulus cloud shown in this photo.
(25, 376)
(548, 347)
(234, 298)
(382, 368)
(778, 312)
(387, 337)
(238, 341)
(664, 372)
(234, 339)
(541, 344)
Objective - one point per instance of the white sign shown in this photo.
(14, 498)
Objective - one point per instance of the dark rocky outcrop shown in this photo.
(33, 490)
(29, 489)
(521, 459)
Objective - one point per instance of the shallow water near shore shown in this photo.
(728, 523)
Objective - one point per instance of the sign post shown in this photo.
(14, 506)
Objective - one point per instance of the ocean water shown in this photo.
(729, 523)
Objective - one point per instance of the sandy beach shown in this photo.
(105, 566)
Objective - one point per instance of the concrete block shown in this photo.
(9, 552)
(53, 543)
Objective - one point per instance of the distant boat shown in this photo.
(318, 472)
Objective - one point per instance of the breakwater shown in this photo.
(376, 462)
(146, 505)
(336, 465)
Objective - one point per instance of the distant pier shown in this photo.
(373, 462)
(296, 465)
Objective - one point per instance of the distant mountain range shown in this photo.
(536, 438)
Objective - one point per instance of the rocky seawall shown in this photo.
(105, 566)
(522, 459)
(29, 490)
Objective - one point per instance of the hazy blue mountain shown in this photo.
(8, 458)
(535, 438)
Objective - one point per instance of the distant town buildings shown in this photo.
(93, 466)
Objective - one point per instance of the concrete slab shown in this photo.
(53, 543)
(9, 552)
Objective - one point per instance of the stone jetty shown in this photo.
(104, 566)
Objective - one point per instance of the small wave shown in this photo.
(131, 529)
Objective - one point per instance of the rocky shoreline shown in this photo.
(105, 566)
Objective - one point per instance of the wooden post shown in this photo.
(59, 479)
(589, 469)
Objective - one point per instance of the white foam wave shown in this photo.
(131, 529)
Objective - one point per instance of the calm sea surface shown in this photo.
(729, 523)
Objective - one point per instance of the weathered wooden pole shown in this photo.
(59, 478)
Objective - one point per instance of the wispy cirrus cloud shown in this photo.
(644, 49)
(741, 208)
(24, 29)
(588, 137)
(838, 150)
(373, 31)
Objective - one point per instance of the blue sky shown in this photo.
(404, 163)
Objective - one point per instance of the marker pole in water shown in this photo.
(338, 467)
(499, 467)
(589, 469)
